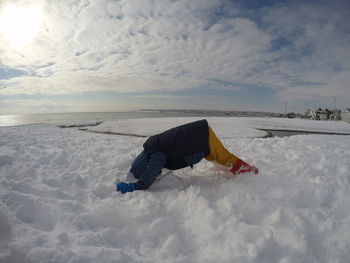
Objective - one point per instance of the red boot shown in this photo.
(242, 167)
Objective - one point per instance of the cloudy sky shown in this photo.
(116, 55)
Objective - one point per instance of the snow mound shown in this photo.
(58, 204)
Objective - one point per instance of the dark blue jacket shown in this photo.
(183, 146)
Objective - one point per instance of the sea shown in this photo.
(59, 118)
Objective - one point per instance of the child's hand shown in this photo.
(125, 187)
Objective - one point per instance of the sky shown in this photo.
(120, 55)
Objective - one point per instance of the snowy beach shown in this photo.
(58, 202)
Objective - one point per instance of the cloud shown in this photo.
(35, 105)
(297, 49)
(163, 97)
(133, 46)
(314, 61)
(99, 102)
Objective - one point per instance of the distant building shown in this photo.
(321, 114)
(335, 115)
(346, 115)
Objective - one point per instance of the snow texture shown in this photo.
(242, 127)
(58, 204)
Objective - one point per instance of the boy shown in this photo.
(177, 148)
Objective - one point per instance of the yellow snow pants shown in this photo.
(218, 152)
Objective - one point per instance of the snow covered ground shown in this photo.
(239, 127)
(58, 204)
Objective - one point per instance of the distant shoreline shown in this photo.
(217, 113)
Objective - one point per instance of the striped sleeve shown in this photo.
(153, 169)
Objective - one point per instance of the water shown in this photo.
(279, 133)
(287, 133)
(16, 120)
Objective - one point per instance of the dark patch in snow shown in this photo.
(115, 133)
(80, 125)
(284, 133)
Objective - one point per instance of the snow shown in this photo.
(225, 127)
(58, 204)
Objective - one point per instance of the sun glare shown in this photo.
(20, 25)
